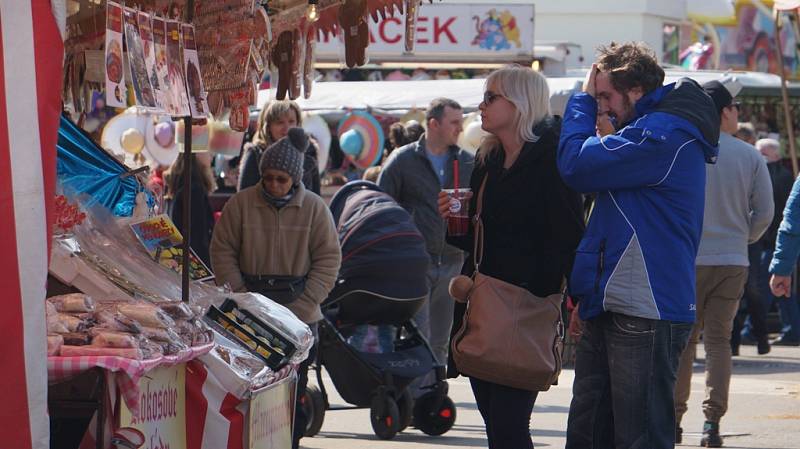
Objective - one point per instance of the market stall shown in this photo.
(118, 315)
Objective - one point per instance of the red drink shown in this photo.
(458, 220)
(457, 225)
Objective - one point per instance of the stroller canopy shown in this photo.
(382, 250)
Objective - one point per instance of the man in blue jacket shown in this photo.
(634, 270)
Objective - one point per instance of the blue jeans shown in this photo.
(623, 394)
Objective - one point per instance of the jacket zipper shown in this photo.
(600, 263)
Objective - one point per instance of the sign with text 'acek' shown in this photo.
(449, 32)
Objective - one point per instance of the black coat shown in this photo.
(782, 181)
(532, 221)
(201, 216)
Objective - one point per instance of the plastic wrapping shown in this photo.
(279, 317)
(72, 303)
(239, 371)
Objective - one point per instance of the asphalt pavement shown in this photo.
(764, 411)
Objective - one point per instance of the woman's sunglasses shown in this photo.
(279, 179)
(489, 97)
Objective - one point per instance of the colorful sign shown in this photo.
(467, 32)
(271, 416)
(748, 41)
(163, 241)
(162, 408)
(115, 86)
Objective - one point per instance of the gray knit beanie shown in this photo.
(286, 155)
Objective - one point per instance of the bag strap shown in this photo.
(477, 252)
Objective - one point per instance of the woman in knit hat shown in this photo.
(277, 233)
(274, 122)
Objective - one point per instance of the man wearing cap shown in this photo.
(277, 233)
(738, 209)
(414, 175)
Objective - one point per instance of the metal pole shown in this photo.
(787, 115)
(187, 187)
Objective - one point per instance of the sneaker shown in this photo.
(678, 434)
(763, 347)
(711, 436)
(782, 341)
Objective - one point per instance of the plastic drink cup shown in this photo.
(458, 220)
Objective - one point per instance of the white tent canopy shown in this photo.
(397, 97)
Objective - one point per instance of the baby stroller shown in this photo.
(382, 281)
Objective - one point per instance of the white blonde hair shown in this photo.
(527, 90)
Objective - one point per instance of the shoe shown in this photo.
(711, 436)
(763, 347)
(734, 351)
(678, 434)
(781, 341)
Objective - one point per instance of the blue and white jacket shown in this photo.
(637, 256)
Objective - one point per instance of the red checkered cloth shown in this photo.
(127, 372)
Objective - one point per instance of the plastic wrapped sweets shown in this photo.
(277, 316)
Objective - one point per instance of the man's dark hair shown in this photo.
(630, 65)
(436, 108)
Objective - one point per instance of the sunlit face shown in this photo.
(278, 129)
(619, 106)
(729, 117)
(276, 182)
(449, 127)
(497, 112)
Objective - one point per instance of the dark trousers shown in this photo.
(754, 303)
(300, 418)
(506, 411)
(623, 394)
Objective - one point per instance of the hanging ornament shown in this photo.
(412, 11)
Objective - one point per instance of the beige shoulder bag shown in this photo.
(509, 336)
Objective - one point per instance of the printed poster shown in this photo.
(143, 91)
(270, 416)
(115, 86)
(148, 49)
(162, 240)
(162, 408)
(177, 83)
(162, 72)
(194, 82)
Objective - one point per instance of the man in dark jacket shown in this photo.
(634, 270)
(413, 176)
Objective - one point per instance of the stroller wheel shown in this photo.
(405, 405)
(385, 416)
(434, 414)
(314, 407)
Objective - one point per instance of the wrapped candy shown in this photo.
(72, 303)
(147, 315)
(54, 343)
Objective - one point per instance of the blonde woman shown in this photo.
(532, 221)
(274, 122)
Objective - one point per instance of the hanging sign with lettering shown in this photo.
(449, 31)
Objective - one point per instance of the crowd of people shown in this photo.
(648, 206)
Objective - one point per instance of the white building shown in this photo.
(590, 23)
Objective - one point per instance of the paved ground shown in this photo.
(764, 412)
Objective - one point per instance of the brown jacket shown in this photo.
(300, 239)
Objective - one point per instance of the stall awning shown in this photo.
(31, 54)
